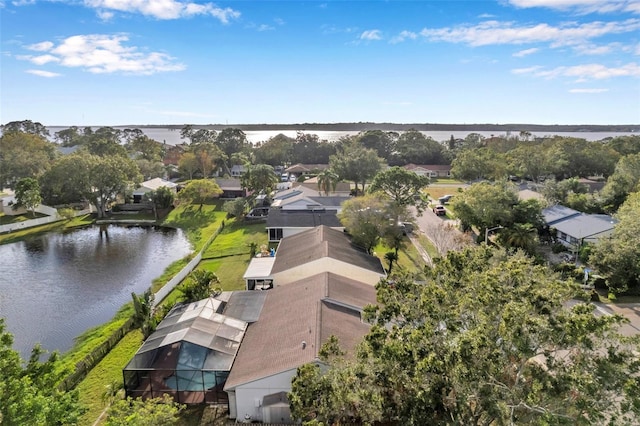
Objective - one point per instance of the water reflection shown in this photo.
(54, 287)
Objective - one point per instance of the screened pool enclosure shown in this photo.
(191, 352)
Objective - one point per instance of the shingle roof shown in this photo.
(583, 226)
(322, 241)
(302, 218)
(229, 184)
(308, 311)
(301, 168)
(558, 213)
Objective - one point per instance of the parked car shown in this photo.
(568, 257)
(440, 210)
(445, 199)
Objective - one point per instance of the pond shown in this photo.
(55, 286)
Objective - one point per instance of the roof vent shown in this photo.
(304, 344)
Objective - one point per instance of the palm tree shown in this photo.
(391, 257)
(143, 312)
(327, 181)
(200, 285)
(521, 235)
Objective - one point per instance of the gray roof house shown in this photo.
(284, 223)
(302, 197)
(558, 213)
(583, 228)
(574, 228)
(294, 323)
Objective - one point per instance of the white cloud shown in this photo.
(582, 6)
(41, 73)
(371, 35)
(403, 36)
(496, 33)
(23, 2)
(41, 47)
(265, 27)
(278, 21)
(525, 52)
(105, 15)
(486, 16)
(98, 53)
(164, 9)
(584, 72)
(588, 90)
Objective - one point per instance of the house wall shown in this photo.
(247, 398)
(569, 241)
(326, 264)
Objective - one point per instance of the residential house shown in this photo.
(237, 170)
(294, 323)
(150, 186)
(299, 169)
(191, 353)
(316, 250)
(303, 197)
(284, 222)
(231, 188)
(574, 228)
(430, 170)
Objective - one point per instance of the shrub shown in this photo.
(557, 248)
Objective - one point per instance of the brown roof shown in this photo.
(302, 168)
(432, 167)
(308, 311)
(319, 242)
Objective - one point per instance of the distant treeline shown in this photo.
(350, 127)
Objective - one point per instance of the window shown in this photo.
(275, 234)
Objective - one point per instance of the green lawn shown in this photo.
(408, 257)
(59, 226)
(198, 224)
(108, 371)
(235, 239)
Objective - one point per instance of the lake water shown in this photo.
(55, 286)
(172, 136)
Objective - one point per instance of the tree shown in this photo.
(277, 151)
(148, 412)
(618, 258)
(198, 191)
(486, 205)
(28, 195)
(391, 257)
(188, 165)
(69, 137)
(414, 147)
(24, 155)
(162, 197)
(236, 208)
(29, 392)
(309, 149)
(402, 187)
(445, 237)
(199, 286)
(68, 180)
(624, 180)
(231, 141)
(384, 143)
(473, 164)
(26, 126)
(144, 147)
(327, 181)
(143, 313)
(356, 164)
(365, 219)
(259, 179)
(109, 176)
(486, 339)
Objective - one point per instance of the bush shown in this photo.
(557, 248)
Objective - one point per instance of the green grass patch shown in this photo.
(198, 224)
(108, 370)
(408, 257)
(436, 192)
(169, 273)
(432, 251)
(229, 270)
(132, 216)
(235, 239)
(94, 337)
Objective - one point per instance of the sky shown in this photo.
(153, 62)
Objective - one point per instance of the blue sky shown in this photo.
(128, 62)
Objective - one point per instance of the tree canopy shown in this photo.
(28, 194)
(355, 163)
(402, 187)
(198, 191)
(259, 178)
(486, 339)
(29, 393)
(618, 257)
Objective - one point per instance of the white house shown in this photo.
(152, 185)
